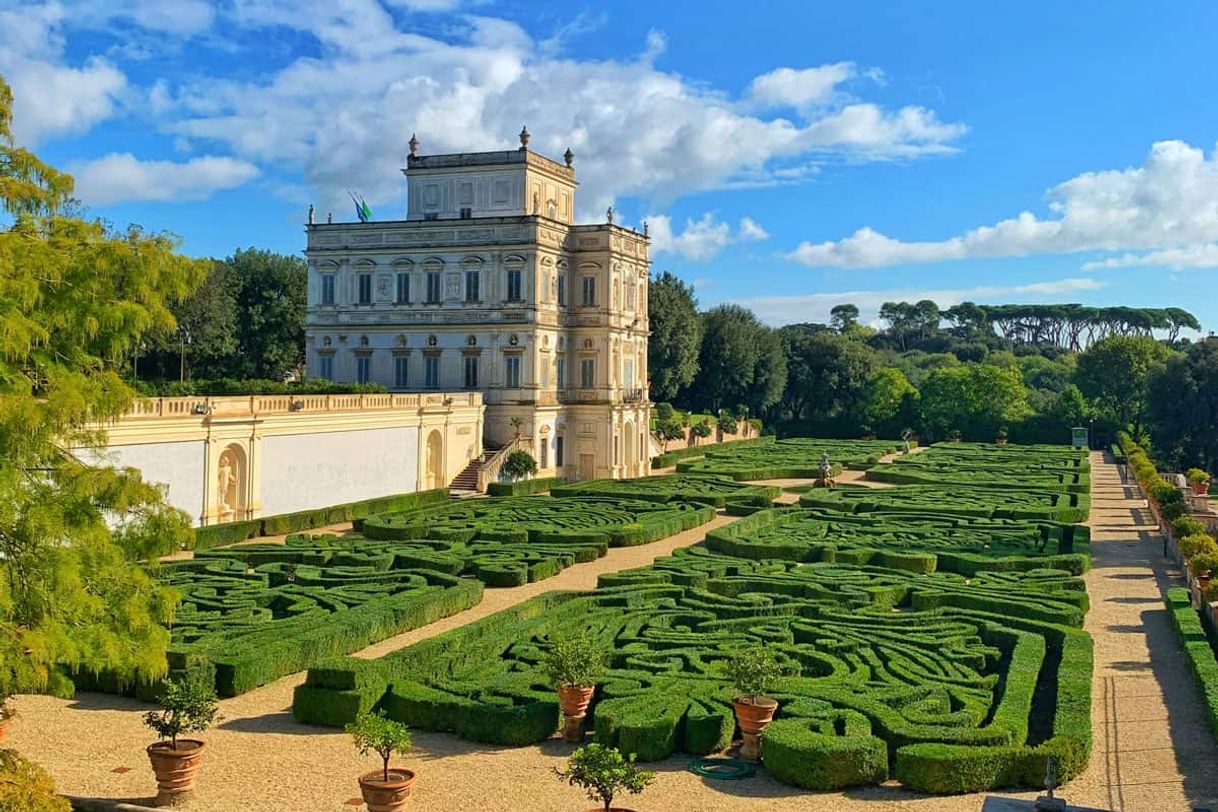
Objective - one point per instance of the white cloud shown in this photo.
(122, 177)
(784, 87)
(346, 113)
(701, 239)
(815, 307)
(1168, 207)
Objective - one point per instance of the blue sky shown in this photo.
(787, 155)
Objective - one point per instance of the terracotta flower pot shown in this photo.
(1201, 488)
(753, 714)
(4, 720)
(1001, 441)
(175, 770)
(574, 700)
(386, 796)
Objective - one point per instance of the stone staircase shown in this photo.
(465, 484)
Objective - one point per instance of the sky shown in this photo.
(788, 156)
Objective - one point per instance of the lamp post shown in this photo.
(184, 339)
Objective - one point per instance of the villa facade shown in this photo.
(489, 286)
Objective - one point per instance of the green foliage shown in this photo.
(1115, 374)
(374, 733)
(1182, 399)
(671, 429)
(975, 399)
(827, 373)
(76, 300)
(577, 659)
(523, 487)
(676, 336)
(811, 753)
(519, 464)
(701, 430)
(741, 361)
(752, 670)
(1197, 476)
(708, 490)
(1198, 648)
(188, 705)
(664, 411)
(603, 772)
(799, 458)
(24, 786)
(271, 290)
(253, 386)
(889, 401)
(727, 423)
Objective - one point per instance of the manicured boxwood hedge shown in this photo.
(677, 454)
(1032, 467)
(982, 666)
(523, 487)
(206, 538)
(1198, 648)
(795, 458)
(708, 490)
(983, 501)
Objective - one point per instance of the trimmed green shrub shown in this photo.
(829, 753)
(523, 487)
(1199, 650)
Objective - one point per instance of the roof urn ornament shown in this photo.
(414, 145)
(569, 157)
(524, 137)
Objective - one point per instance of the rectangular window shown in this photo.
(513, 291)
(403, 296)
(560, 372)
(466, 213)
(433, 287)
(629, 296)
(587, 373)
(365, 288)
(325, 367)
(545, 453)
(363, 369)
(471, 286)
(401, 366)
(558, 451)
(431, 372)
(327, 288)
(471, 372)
(512, 376)
(628, 373)
(562, 290)
(589, 291)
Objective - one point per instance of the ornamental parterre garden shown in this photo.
(927, 633)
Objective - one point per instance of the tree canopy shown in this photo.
(76, 299)
(676, 336)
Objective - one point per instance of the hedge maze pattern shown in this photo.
(959, 464)
(980, 502)
(944, 682)
(795, 458)
(707, 490)
(257, 612)
(914, 542)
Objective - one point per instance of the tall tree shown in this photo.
(271, 293)
(1182, 408)
(1114, 373)
(844, 317)
(974, 399)
(75, 298)
(676, 336)
(889, 402)
(827, 373)
(205, 342)
(741, 361)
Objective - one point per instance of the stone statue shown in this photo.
(414, 146)
(226, 482)
(609, 215)
(310, 214)
(536, 203)
(645, 228)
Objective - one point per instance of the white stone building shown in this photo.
(488, 285)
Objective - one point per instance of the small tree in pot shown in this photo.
(574, 664)
(383, 790)
(519, 464)
(701, 430)
(603, 772)
(1199, 480)
(188, 705)
(752, 670)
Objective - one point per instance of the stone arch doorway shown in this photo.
(629, 454)
(231, 481)
(434, 477)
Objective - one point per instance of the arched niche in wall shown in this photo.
(232, 478)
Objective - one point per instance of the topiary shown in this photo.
(519, 464)
(664, 411)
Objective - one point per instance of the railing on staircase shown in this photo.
(489, 471)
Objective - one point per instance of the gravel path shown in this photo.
(1152, 750)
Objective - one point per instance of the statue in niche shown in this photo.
(536, 203)
(226, 482)
(382, 286)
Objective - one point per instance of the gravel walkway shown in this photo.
(1152, 749)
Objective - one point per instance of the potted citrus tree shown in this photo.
(1199, 480)
(574, 664)
(188, 705)
(383, 790)
(604, 772)
(751, 671)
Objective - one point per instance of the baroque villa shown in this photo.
(489, 286)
